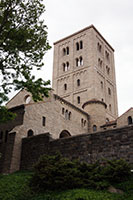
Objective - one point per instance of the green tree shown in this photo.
(23, 43)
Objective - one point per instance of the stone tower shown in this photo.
(84, 69)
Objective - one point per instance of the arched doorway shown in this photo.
(64, 134)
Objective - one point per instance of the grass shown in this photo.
(15, 187)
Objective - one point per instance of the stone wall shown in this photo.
(6, 150)
(110, 144)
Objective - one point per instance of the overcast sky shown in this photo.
(113, 19)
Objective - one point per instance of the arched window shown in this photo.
(65, 86)
(27, 99)
(109, 91)
(107, 69)
(130, 121)
(64, 134)
(78, 99)
(107, 55)
(66, 114)
(30, 133)
(82, 122)
(64, 66)
(69, 115)
(99, 47)
(94, 128)
(99, 61)
(67, 50)
(77, 46)
(43, 121)
(110, 108)
(81, 60)
(63, 110)
(101, 84)
(67, 64)
(77, 62)
(78, 82)
(64, 51)
(81, 44)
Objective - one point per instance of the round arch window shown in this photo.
(27, 99)
(64, 134)
(30, 133)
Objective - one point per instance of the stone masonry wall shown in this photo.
(6, 150)
(111, 144)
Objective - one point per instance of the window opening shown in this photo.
(64, 134)
(78, 82)
(109, 91)
(82, 122)
(77, 46)
(30, 133)
(77, 61)
(67, 50)
(69, 115)
(78, 99)
(130, 120)
(81, 44)
(64, 67)
(63, 110)
(64, 51)
(65, 86)
(94, 128)
(43, 121)
(81, 60)
(101, 84)
(67, 65)
(66, 114)
(110, 107)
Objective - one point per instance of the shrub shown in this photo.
(58, 173)
(117, 171)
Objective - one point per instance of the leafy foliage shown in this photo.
(58, 173)
(23, 43)
(5, 115)
(16, 187)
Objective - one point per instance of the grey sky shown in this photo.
(112, 18)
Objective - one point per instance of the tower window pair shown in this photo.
(100, 63)
(66, 51)
(83, 122)
(79, 61)
(66, 66)
(79, 45)
(67, 114)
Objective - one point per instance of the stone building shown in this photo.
(84, 70)
(83, 99)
